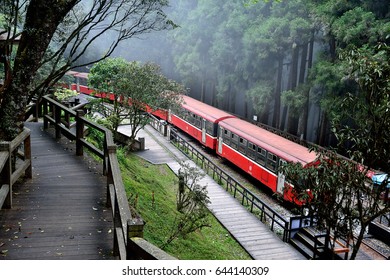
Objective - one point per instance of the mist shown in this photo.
(251, 60)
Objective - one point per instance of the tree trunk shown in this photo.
(42, 19)
(292, 124)
(214, 99)
(323, 129)
(303, 120)
(358, 243)
(202, 89)
(278, 90)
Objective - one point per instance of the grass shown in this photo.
(152, 191)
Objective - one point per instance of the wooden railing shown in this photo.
(14, 162)
(253, 203)
(128, 229)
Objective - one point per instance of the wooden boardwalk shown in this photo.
(60, 213)
(254, 236)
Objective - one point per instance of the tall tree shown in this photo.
(78, 25)
(265, 44)
(137, 88)
(192, 43)
(342, 195)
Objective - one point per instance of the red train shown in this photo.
(251, 148)
(199, 120)
(260, 153)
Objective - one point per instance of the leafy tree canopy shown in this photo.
(137, 88)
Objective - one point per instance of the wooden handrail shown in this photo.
(126, 226)
(11, 172)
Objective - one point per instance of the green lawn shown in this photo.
(143, 181)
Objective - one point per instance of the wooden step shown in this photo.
(306, 243)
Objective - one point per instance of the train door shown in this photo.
(203, 131)
(220, 140)
(281, 178)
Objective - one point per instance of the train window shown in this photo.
(242, 146)
(271, 162)
(190, 117)
(197, 121)
(210, 128)
(182, 113)
(251, 150)
(261, 155)
(226, 136)
(234, 141)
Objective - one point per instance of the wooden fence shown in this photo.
(15, 160)
(128, 229)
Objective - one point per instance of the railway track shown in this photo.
(371, 247)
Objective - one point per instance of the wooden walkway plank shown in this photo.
(235, 218)
(60, 213)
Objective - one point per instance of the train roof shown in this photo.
(207, 112)
(271, 142)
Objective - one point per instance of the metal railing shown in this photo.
(265, 213)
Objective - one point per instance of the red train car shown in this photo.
(199, 120)
(81, 87)
(260, 152)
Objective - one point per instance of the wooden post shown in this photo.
(111, 149)
(79, 132)
(38, 111)
(57, 118)
(27, 155)
(105, 151)
(6, 174)
(45, 113)
(135, 228)
(141, 143)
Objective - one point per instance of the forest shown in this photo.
(316, 69)
(286, 64)
(276, 62)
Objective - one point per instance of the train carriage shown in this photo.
(199, 120)
(251, 148)
(260, 152)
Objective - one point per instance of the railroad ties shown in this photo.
(255, 237)
(60, 213)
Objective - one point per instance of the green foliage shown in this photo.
(368, 134)
(341, 194)
(260, 95)
(356, 27)
(254, 2)
(105, 75)
(294, 99)
(64, 94)
(155, 187)
(137, 88)
(191, 203)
